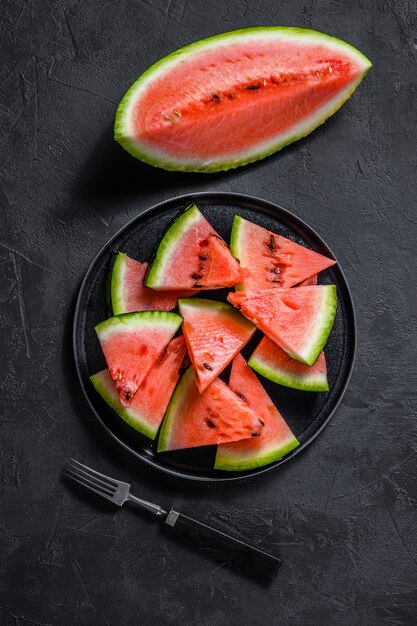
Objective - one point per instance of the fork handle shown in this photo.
(240, 553)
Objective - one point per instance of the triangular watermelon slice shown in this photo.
(272, 260)
(132, 343)
(298, 320)
(215, 332)
(191, 255)
(148, 406)
(129, 292)
(276, 438)
(215, 416)
(272, 362)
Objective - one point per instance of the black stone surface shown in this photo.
(343, 514)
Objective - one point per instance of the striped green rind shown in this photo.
(110, 395)
(235, 463)
(117, 283)
(124, 134)
(168, 243)
(187, 379)
(281, 377)
(324, 325)
(142, 320)
(200, 304)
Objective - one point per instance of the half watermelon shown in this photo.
(132, 343)
(276, 439)
(148, 406)
(235, 98)
(272, 260)
(215, 332)
(298, 320)
(215, 416)
(129, 292)
(191, 255)
(272, 362)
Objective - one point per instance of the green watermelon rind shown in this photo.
(311, 353)
(281, 377)
(235, 241)
(142, 319)
(135, 420)
(222, 307)
(123, 134)
(117, 283)
(171, 239)
(237, 463)
(168, 423)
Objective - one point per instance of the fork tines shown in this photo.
(100, 484)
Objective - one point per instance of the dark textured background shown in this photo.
(343, 514)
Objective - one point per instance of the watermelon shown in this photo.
(215, 332)
(132, 343)
(298, 320)
(309, 281)
(237, 97)
(191, 255)
(129, 293)
(272, 362)
(215, 416)
(272, 260)
(276, 438)
(148, 406)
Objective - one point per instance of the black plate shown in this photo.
(307, 413)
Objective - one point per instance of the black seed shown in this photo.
(202, 258)
(128, 394)
(241, 396)
(196, 276)
(255, 434)
(253, 87)
(271, 243)
(261, 422)
(208, 367)
(215, 98)
(210, 423)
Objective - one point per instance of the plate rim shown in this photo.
(177, 472)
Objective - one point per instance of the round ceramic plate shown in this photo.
(307, 413)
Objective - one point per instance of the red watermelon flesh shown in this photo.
(129, 292)
(276, 438)
(215, 332)
(234, 98)
(309, 281)
(191, 255)
(148, 406)
(272, 260)
(298, 320)
(215, 416)
(272, 362)
(132, 343)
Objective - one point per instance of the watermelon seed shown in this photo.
(253, 87)
(241, 396)
(177, 113)
(128, 394)
(196, 276)
(261, 422)
(210, 423)
(271, 243)
(202, 258)
(215, 98)
(168, 118)
(208, 367)
(255, 434)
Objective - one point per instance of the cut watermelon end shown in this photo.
(281, 377)
(138, 320)
(105, 386)
(124, 131)
(181, 225)
(235, 241)
(234, 462)
(116, 283)
(166, 431)
(316, 342)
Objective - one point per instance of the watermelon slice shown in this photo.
(272, 260)
(132, 343)
(129, 293)
(237, 97)
(191, 255)
(215, 332)
(272, 362)
(276, 438)
(298, 320)
(148, 407)
(215, 416)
